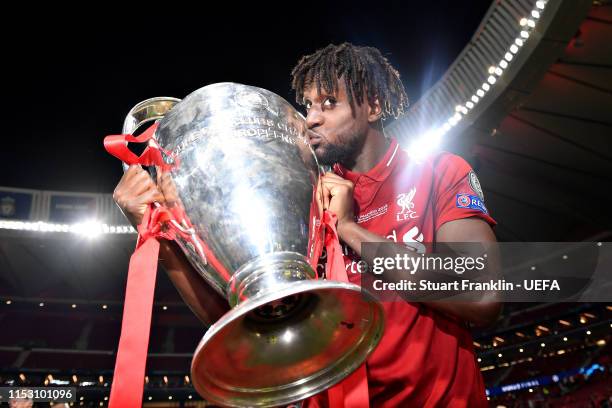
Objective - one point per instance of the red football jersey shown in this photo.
(425, 358)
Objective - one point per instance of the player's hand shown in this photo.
(135, 192)
(166, 186)
(338, 198)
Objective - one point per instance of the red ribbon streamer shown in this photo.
(352, 392)
(128, 378)
(117, 145)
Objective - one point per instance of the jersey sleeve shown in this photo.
(457, 191)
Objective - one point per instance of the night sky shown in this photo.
(73, 74)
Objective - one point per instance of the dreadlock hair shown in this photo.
(365, 71)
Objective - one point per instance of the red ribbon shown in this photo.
(128, 378)
(352, 392)
(117, 145)
(157, 222)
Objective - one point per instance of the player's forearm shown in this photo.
(480, 313)
(202, 299)
(353, 236)
(477, 313)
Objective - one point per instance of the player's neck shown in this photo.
(373, 150)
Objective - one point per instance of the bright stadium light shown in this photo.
(462, 109)
(429, 141)
(453, 120)
(89, 228)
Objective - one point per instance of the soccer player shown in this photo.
(379, 194)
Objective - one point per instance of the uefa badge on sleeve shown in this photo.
(471, 202)
(463, 201)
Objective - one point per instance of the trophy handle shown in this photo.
(146, 111)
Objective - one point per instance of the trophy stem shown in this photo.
(267, 274)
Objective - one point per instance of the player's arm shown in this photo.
(338, 198)
(471, 230)
(133, 194)
(464, 230)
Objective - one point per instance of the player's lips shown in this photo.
(314, 138)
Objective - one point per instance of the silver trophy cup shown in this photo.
(246, 179)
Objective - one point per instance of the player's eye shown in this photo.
(329, 102)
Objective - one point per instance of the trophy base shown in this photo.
(287, 344)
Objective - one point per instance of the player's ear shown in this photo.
(375, 112)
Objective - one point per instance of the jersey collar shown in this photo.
(380, 172)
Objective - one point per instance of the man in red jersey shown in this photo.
(379, 194)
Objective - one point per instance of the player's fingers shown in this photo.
(326, 195)
(151, 195)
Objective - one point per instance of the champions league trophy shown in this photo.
(246, 179)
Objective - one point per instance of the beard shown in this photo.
(332, 154)
(344, 153)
